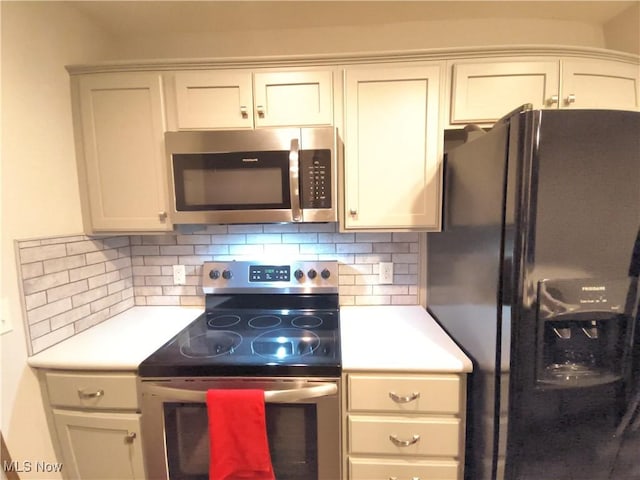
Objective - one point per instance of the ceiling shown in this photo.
(151, 17)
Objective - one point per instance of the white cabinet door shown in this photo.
(237, 99)
(214, 100)
(293, 98)
(122, 127)
(483, 92)
(100, 446)
(600, 84)
(392, 146)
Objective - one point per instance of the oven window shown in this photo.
(291, 429)
(231, 181)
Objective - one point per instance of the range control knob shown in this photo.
(226, 274)
(299, 274)
(312, 274)
(214, 274)
(325, 273)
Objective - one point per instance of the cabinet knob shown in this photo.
(162, 215)
(553, 100)
(571, 98)
(243, 111)
(131, 436)
(353, 212)
(260, 110)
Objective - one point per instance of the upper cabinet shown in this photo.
(392, 146)
(119, 122)
(482, 91)
(237, 99)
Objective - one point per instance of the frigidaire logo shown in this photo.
(594, 288)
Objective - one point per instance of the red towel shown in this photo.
(239, 448)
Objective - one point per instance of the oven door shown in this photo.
(302, 416)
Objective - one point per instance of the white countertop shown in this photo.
(379, 338)
(119, 343)
(397, 338)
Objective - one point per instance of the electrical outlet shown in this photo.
(179, 275)
(385, 273)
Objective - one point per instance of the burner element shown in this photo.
(282, 343)
(265, 321)
(223, 321)
(306, 321)
(211, 344)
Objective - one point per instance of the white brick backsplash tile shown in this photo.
(162, 300)
(192, 260)
(85, 246)
(91, 320)
(406, 237)
(211, 249)
(38, 284)
(176, 250)
(373, 258)
(124, 252)
(336, 237)
(404, 258)
(373, 237)
(346, 279)
(67, 290)
(39, 329)
(317, 248)
(196, 239)
(122, 306)
(64, 263)
(317, 227)
(179, 290)
(355, 290)
(155, 281)
(373, 300)
(405, 279)
(117, 286)
(49, 310)
(116, 242)
(264, 238)
(282, 228)
(89, 296)
(355, 269)
(145, 250)
(101, 256)
(231, 239)
(195, 301)
(391, 248)
(104, 279)
(390, 290)
(246, 250)
(245, 229)
(404, 299)
(54, 240)
(353, 247)
(86, 272)
(105, 302)
(282, 250)
(161, 260)
(31, 270)
(147, 291)
(46, 252)
(299, 238)
(35, 300)
(159, 240)
(69, 316)
(121, 264)
(347, 300)
(366, 279)
(219, 229)
(56, 336)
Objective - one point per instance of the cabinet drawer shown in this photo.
(100, 391)
(413, 436)
(408, 394)
(378, 469)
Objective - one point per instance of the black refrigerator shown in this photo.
(534, 276)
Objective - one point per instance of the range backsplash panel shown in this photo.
(71, 283)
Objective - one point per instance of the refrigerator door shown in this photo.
(577, 218)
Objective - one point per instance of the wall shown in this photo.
(39, 183)
(623, 31)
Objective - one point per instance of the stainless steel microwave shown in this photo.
(253, 176)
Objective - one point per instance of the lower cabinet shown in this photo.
(405, 426)
(94, 421)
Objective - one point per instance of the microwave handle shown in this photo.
(294, 180)
(270, 396)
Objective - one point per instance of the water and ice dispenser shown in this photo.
(583, 332)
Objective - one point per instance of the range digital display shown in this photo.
(269, 273)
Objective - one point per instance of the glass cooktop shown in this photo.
(256, 335)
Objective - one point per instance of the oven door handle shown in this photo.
(270, 396)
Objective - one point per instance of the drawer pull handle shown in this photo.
(396, 478)
(400, 399)
(96, 394)
(404, 443)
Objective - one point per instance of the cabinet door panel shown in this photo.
(600, 84)
(100, 446)
(123, 128)
(293, 98)
(214, 100)
(392, 148)
(484, 92)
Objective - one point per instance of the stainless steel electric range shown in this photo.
(270, 326)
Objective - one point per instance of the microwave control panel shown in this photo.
(315, 178)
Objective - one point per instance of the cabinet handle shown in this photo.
(404, 443)
(260, 110)
(396, 478)
(353, 212)
(243, 111)
(131, 436)
(571, 98)
(553, 100)
(96, 394)
(162, 215)
(406, 399)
